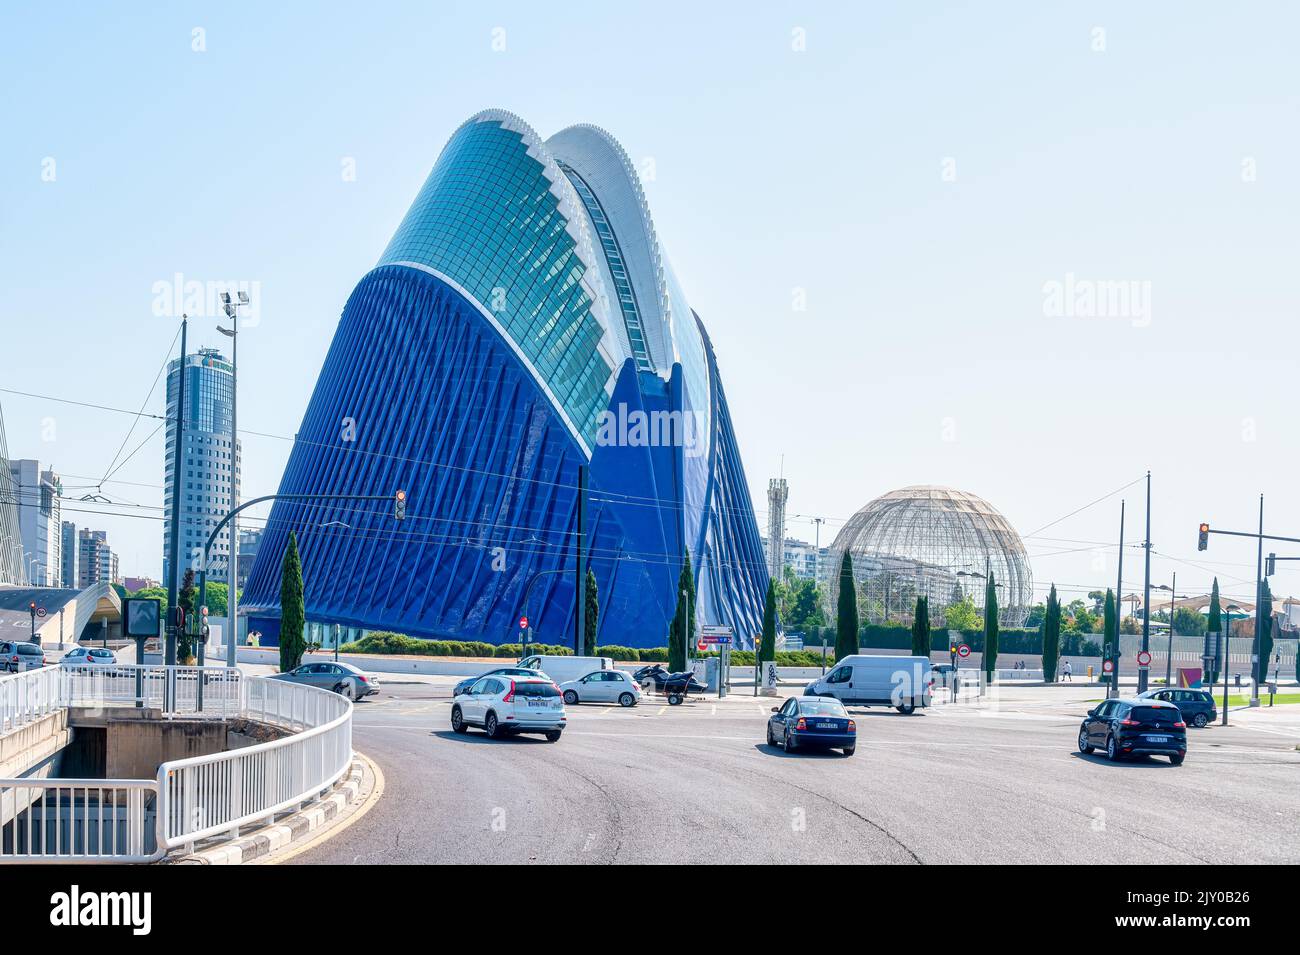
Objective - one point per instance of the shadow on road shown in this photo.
(478, 736)
(810, 753)
(1127, 762)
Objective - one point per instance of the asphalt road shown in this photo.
(698, 784)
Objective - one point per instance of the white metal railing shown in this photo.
(99, 820)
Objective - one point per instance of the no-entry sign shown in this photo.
(963, 651)
(1107, 666)
(1144, 658)
(523, 623)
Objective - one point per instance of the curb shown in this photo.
(295, 828)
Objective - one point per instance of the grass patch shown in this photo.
(1282, 699)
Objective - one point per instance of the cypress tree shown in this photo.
(293, 617)
(990, 628)
(1215, 626)
(767, 650)
(591, 612)
(1110, 630)
(1052, 637)
(921, 628)
(846, 611)
(186, 597)
(683, 627)
(1265, 631)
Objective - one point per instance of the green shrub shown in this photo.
(625, 654)
(653, 655)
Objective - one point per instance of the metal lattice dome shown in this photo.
(935, 542)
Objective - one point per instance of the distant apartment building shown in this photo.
(68, 576)
(803, 558)
(210, 463)
(132, 584)
(249, 540)
(96, 561)
(37, 493)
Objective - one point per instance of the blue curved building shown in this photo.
(524, 321)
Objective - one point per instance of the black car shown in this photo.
(819, 722)
(1197, 706)
(466, 683)
(1135, 727)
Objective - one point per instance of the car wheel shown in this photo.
(490, 726)
(1084, 746)
(570, 697)
(771, 740)
(345, 690)
(552, 736)
(788, 743)
(458, 724)
(850, 750)
(907, 709)
(626, 699)
(1177, 758)
(1112, 749)
(1199, 720)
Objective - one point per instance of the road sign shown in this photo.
(715, 638)
(1144, 658)
(523, 623)
(40, 611)
(1107, 666)
(714, 631)
(701, 646)
(963, 651)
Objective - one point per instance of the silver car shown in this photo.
(88, 656)
(342, 678)
(19, 655)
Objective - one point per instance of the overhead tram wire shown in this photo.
(109, 471)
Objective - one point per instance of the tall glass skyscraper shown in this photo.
(523, 322)
(210, 461)
(12, 563)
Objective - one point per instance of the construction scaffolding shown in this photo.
(933, 542)
(777, 493)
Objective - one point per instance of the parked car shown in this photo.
(861, 680)
(88, 656)
(603, 686)
(20, 655)
(1197, 706)
(1135, 727)
(508, 705)
(342, 678)
(565, 668)
(675, 686)
(814, 722)
(465, 684)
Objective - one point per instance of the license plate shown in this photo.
(827, 726)
(539, 702)
(1157, 739)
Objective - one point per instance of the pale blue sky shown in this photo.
(924, 354)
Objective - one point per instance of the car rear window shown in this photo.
(30, 649)
(536, 689)
(1148, 714)
(822, 707)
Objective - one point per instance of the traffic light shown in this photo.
(1270, 565)
(399, 505)
(1204, 540)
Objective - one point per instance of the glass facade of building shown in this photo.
(523, 304)
(210, 461)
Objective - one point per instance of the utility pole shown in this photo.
(1143, 672)
(579, 577)
(1173, 609)
(174, 538)
(1259, 608)
(236, 473)
(1113, 689)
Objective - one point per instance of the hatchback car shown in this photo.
(465, 684)
(603, 686)
(88, 656)
(1135, 727)
(1197, 706)
(815, 722)
(20, 655)
(508, 705)
(343, 678)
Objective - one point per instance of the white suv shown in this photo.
(506, 705)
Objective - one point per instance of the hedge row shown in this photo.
(385, 642)
(887, 637)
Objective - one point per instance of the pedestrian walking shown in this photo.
(1068, 671)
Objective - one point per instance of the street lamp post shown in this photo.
(1173, 609)
(232, 572)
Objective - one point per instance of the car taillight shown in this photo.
(510, 694)
(1180, 725)
(1128, 722)
(802, 724)
(363, 679)
(853, 727)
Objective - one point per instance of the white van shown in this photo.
(859, 680)
(564, 669)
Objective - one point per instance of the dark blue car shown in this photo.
(812, 722)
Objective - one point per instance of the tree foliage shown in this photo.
(846, 612)
(1215, 625)
(1265, 631)
(1052, 637)
(990, 628)
(962, 615)
(293, 617)
(683, 625)
(591, 615)
(921, 628)
(767, 649)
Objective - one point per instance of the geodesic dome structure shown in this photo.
(934, 542)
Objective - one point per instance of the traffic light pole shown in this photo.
(174, 535)
(400, 505)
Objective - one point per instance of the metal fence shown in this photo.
(115, 820)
